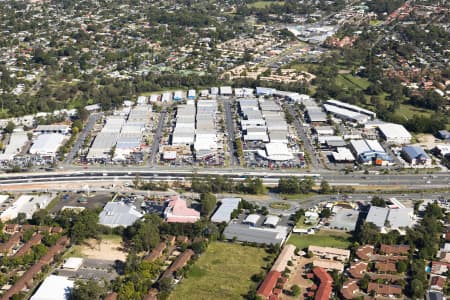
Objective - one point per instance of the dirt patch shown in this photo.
(427, 141)
(106, 250)
(297, 278)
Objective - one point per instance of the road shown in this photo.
(93, 118)
(229, 122)
(157, 137)
(308, 147)
(270, 177)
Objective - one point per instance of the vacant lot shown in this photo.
(219, 273)
(330, 238)
(109, 247)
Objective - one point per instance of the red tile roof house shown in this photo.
(437, 283)
(357, 270)
(326, 284)
(178, 212)
(179, 263)
(365, 252)
(385, 267)
(7, 248)
(265, 290)
(394, 249)
(384, 289)
(26, 281)
(35, 240)
(350, 289)
(156, 253)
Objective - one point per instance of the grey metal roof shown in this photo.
(400, 217)
(377, 215)
(116, 214)
(245, 233)
(345, 219)
(223, 213)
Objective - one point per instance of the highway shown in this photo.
(270, 177)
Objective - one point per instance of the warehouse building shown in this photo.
(116, 214)
(370, 152)
(351, 107)
(47, 145)
(26, 204)
(387, 219)
(343, 155)
(223, 213)
(346, 114)
(179, 95)
(416, 156)
(54, 288)
(61, 129)
(276, 152)
(17, 141)
(184, 131)
(225, 91)
(344, 219)
(252, 234)
(315, 115)
(394, 133)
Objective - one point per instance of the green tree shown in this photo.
(9, 128)
(325, 187)
(378, 201)
(325, 213)
(296, 290)
(89, 289)
(401, 266)
(208, 203)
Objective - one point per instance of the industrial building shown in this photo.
(26, 204)
(394, 133)
(62, 129)
(106, 139)
(223, 213)
(17, 141)
(132, 132)
(276, 152)
(370, 151)
(344, 219)
(54, 288)
(315, 115)
(388, 219)
(184, 131)
(252, 234)
(352, 107)
(346, 114)
(416, 156)
(46, 145)
(116, 214)
(206, 142)
(342, 155)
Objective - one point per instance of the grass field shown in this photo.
(280, 205)
(350, 81)
(219, 273)
(301, 223)
(322, 238)
(263, 4)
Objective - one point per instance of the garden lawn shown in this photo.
(329, 238)
(224, 271)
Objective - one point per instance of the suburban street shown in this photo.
(93, 118)
(157, 137)
(229, 122)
